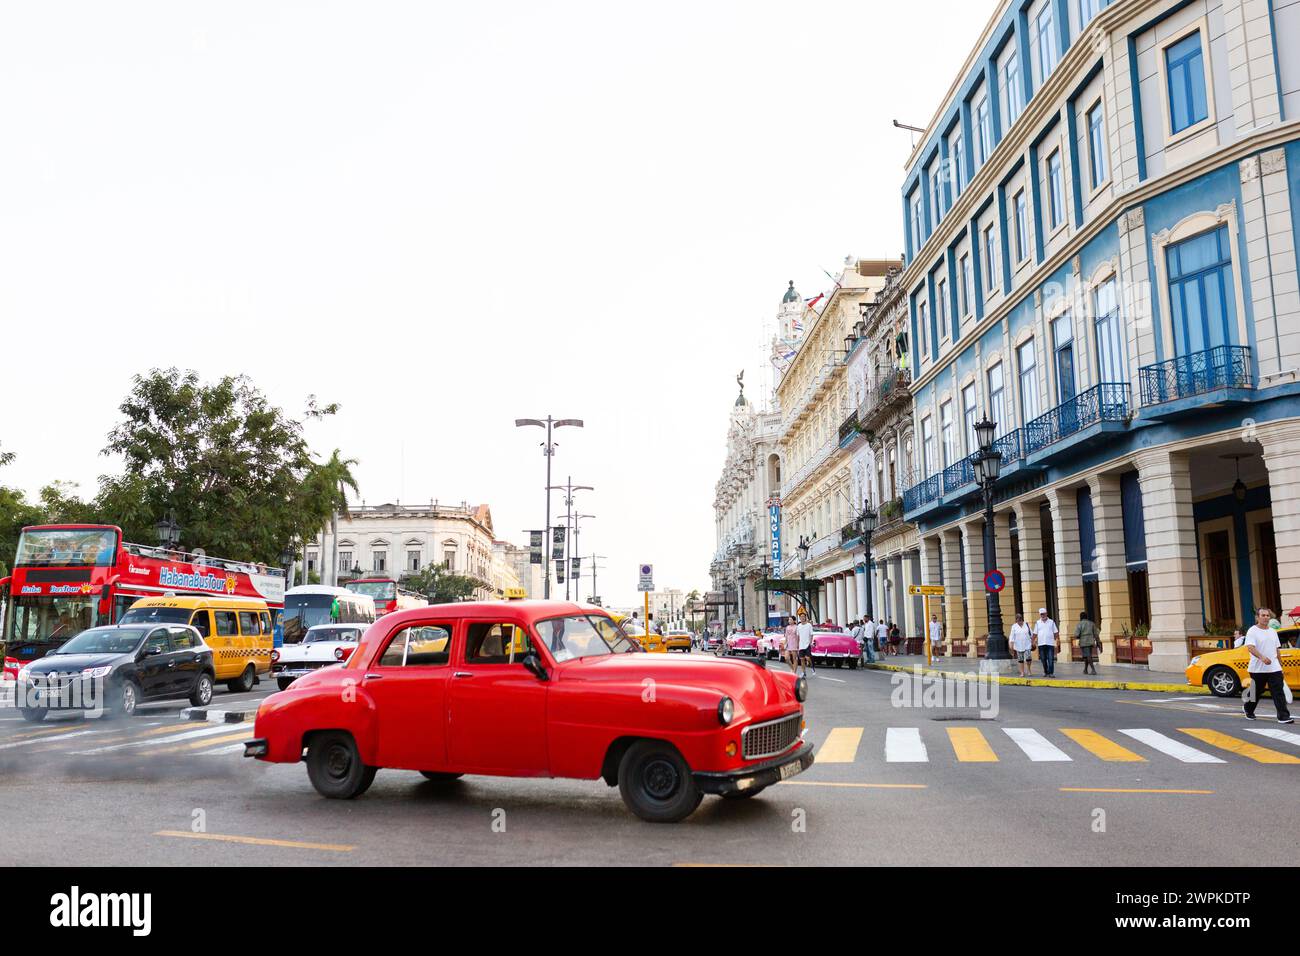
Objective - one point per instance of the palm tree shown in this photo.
(338, 477)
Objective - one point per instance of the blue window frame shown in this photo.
(1055, 190)
(1201, 296)
(1015, 90)
(936, 198)
(1021, 214)
(984, 131)
(1089, 9)
(1045, 27)
(957, 163)
(990, 259)
(1185, 73)
(1096, 145)
(1110, 334)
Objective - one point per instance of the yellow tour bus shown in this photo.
(238, 630)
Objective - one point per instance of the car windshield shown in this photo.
(379, 590)
(66, 546)
(156, 615)
(332, 634)
(105, 640)
(583, 635)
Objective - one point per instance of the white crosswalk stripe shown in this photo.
(1170, 747)
(904, 745)
(232, 749)
(1286, 735)
(49, 738)
(205, 731)
(1036, 747)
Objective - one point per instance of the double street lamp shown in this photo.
(987, 463)
(805, 545)
(548, 449)
(867, 525)
(168, 531)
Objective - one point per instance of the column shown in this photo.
(976, 605)
(860, 585)
(931, 563)
(1109, 561)
(1006, 599)
(954, 611)
(898, 594)
(841, 601)
(1064, 503)
(1171, 555)
(907, 623)
(1281, 451)
(850, 583)
(829, 610)
(1033, 585)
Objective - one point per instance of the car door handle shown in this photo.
(373, 677)
(463, 674)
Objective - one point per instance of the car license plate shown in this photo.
(790, 769)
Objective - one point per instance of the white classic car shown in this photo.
(324, 645)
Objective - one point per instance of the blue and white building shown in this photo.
(1101, 256)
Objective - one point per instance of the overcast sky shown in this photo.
(445, 216)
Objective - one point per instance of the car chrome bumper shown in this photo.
(257, 747)
(759, 775)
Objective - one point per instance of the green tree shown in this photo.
(233, 469)
(15, 513)
(441, 586)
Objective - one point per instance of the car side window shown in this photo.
(226, 623)
(157, 642)
(265, 618)
(200, 621)
(489, 643)
(395, 653)
(248, 625)
(183, 638)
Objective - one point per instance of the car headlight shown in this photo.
(24, 673)
(96, 671)
(726, 710)
(801, 689)
(1196, 660)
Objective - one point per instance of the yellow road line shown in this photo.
(1123, 790)
(203, 743)
(970, 746)
(841, 745)
(1100, 746)
(256, 841)
(1238, 746)
(46, 731)
(865, 786)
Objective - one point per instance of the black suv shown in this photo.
(117, 668)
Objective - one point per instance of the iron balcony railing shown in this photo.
(1107, 402)
(958, 474)
(923, 493)
(1224, 366)
(849, 426)
(1010, 446)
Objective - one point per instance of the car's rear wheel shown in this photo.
(334, 766)
(244, 682)
(283, 682)
(1223, 682)
(743, 794)
(656, 783)
(435, 777)
(202, 694)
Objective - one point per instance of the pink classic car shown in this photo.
(772, 643)
(832, 646)
(743, 642)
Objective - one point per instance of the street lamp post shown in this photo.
(867, 525)
(804, 546)
(570, 531)
(987, 463)
(548, 449)
(168, 531)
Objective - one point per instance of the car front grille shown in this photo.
(770, 738)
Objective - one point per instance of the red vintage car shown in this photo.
(537, 689)
(835, 647)
(743, 642)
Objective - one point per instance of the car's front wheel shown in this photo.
(35, 714)
(128, 699)
(283, 682)
(202, 694)
(334, 766)
(1223, 682)
(656, 783)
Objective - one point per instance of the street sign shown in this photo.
(995, 581)
(647, 580)
(925, 590)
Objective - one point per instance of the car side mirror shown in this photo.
(151, 652)
(533, 664)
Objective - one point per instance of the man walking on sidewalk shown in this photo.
(1265, 667)
(1045, 632)
(1022, 643)
(936, 635)
(805, 630)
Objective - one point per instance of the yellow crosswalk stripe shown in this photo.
(1100, 746)
(202, 743)
(1240, 747)
(841, 745)
(970, 746)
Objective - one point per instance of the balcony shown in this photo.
(958, 475)
(1226, 372)
(923, 494)
(849, 430)
(1093, 410)
(891, 391)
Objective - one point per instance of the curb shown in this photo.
(1046, 682)
(217, 716)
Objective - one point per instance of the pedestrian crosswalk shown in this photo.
(122, 738)
(976, 744)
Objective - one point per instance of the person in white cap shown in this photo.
(1045, 636)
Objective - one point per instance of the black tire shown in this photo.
(743, 794)
(126, 700)
(1222, 682)
(244, 682)
(656, 783)
(853, 665)
(35, 714)
(283, 682)
(334, 766)
(434, 776)
(201, 696)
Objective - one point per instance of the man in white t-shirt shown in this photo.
(805, 644)
(1045, 634)
(882, 636)
(1265, 667)
(1022, 643)
(936, 634)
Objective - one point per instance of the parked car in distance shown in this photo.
(678, 640)
(743, 643)
(324, 645)
(831, 646)
(537, 689)
(772, 643)
(117, 667)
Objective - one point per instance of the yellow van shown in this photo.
(238, 630)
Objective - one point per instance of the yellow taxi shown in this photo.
(652, 642)
(238, 629)
(1224, 672)
(678, 641)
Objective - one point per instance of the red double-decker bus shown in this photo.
(387, 595)
(69, 577)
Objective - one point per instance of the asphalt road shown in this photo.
(1051, 779)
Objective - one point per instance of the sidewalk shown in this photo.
(1068, 674)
